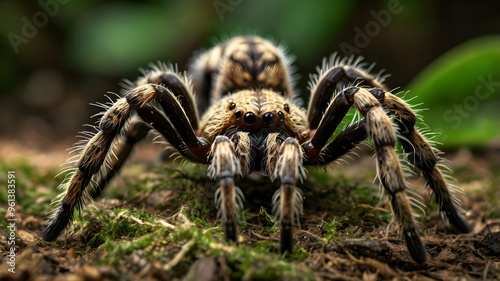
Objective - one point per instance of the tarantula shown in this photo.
(253, 121)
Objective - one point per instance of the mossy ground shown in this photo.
(158, 221)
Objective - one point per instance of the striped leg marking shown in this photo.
(390, 173)
(287, 202)
(228, 198)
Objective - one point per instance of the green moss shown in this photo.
(199, 222)
(493, 198)
(188, 182)
(341, 195)
(331, 228)
(34, 189)
(3, 222)
(116, 251)
(114, 234)
(261, 260)
(114, 224)
(299, 254)
(256, 261)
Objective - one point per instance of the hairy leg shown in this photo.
(99, 146)
(423, 156)
(90, 162)
(390, 173)
(180, 86)
(178, 83)
(344, 142)
(324, 84)
(334, 114)
(287, 202)
(228, 198)
(141, 95)
(136, 131)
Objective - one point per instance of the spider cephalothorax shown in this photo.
(252, 122)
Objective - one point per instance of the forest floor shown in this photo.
(157, 221)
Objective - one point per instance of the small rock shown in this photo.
(71, 254)
(68, 277)
(446, 255)
(32, 223)
(45, 278)
(203, 270)
(26, 237)
(137, 262)
(90, 273)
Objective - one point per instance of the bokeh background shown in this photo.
(58, 56)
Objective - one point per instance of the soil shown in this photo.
(383, 256)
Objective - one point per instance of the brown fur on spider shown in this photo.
(252, 121)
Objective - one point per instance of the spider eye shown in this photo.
(281, 116)
(249, 118)
(238, 113)
(287, 107)
(232, 106)
(268, 118)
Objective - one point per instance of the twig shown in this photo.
(139, 221)
(373, 208)
(317, 238)
(166, 224)
(209, 229)
(180, 255)
(262, 237)
(485, 272)
(382, 268)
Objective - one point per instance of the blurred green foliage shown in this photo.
(461, 89)
(120, 34)
(85, 47)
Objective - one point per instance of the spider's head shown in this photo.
(258, 109)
